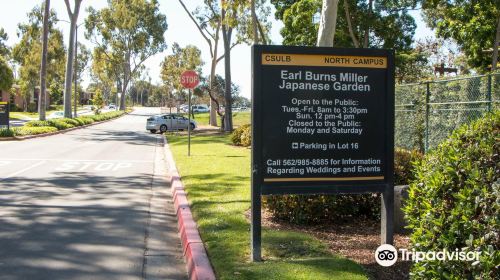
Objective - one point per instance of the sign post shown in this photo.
(4, 114)
(189, 80)
(322, 123)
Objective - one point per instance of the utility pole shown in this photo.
(43, 71)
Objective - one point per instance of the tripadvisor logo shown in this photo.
(387, 255)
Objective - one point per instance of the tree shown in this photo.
(73, 18)
(473, 24)
(27, 54)
(181, 59)
(98, 101)
(385, 25)
(127, 42)
(227, 16)
(327, 23)
(6, 75)
(43, 69)
(4, 49)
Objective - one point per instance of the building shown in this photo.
(18, 102)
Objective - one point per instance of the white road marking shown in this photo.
(95, 166)
(24, 170)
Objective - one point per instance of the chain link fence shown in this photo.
(426, 113)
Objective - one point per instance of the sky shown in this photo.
(180, 29)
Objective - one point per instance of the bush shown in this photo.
(72, 122)
(26, 130)
(454, 202)
(37, 123)
(6, 132)
(59, 124)
(242, 136)
(404, 162)
(302, 209)
(313, 209)
(84, 120)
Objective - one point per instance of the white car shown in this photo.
(167, 122)
(200, 109)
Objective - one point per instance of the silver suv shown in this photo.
(167, 122)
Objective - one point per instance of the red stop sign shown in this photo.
(189, 79)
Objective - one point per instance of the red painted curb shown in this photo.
(197, 262)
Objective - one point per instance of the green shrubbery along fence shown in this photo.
(427, 112)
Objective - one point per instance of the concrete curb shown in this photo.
(197, 262)
(21, 138)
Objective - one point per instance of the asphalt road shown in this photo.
(92, 203)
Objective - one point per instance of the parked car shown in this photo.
(200, 109)
(112, 107)
(168, 122)
(183, 108)
(56, 115)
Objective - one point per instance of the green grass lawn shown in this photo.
(34, 115)
(217, 179)
(239, 118)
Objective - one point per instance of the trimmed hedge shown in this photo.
(454, 203)
(7, 132)
(37, 123)
(309, 209)
(40, 127)
(25, 130)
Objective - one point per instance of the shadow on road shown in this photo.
(75, 226)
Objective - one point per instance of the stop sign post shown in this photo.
(189, 80)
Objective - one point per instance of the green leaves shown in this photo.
(454, 202)
(6, 75)
(472, 24)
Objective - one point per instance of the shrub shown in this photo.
(309, 209)
(404, 162)
(236, 136)
(84, 120)
(6, 132)
(454, 202)
(26, 130)
(37, 123)
(59, 124)
(69, 121)
(331, 208)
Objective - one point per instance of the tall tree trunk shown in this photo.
(213, 80)
(328, 23)
(255, 34)
(126, 79)
(73, 17)
(367, 29)
(226, 38)
(42, 94)
(213, 86)
(349, 25)
(494, 60)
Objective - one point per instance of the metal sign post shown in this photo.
(322, 123)
(189, 80)
(189, 124)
